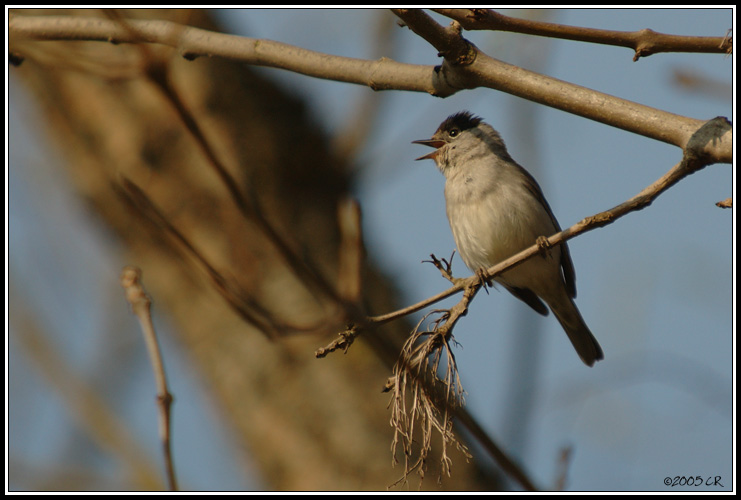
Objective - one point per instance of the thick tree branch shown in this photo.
(462, 69)
(448, 41)
(382, 74)
(644, 42)
(485, 71)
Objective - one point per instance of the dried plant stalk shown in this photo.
(423, 393)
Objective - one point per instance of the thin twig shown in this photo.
(350, 268)
(564, 460)
(727, 203)
(699, 84)
(141, 307)
(644, 42)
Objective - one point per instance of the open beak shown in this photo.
(433, 143)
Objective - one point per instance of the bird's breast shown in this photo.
(490, 225)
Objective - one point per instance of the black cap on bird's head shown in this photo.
(463, 120)
(449, 129)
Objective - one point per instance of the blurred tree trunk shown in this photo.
(308, 424)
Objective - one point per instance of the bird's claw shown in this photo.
(484, 279)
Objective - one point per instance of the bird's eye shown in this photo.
(454, 132)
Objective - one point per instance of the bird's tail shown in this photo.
(579, 334)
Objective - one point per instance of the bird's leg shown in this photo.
(544, 245)
(484, 279)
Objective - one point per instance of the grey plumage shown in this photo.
(496, 209)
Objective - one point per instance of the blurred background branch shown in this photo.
(111, 125)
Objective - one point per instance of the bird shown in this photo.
(496, 209)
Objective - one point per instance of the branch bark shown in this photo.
(485, 71)
(191, 43)
(644, 42)
(465, 67)
(141, 307)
